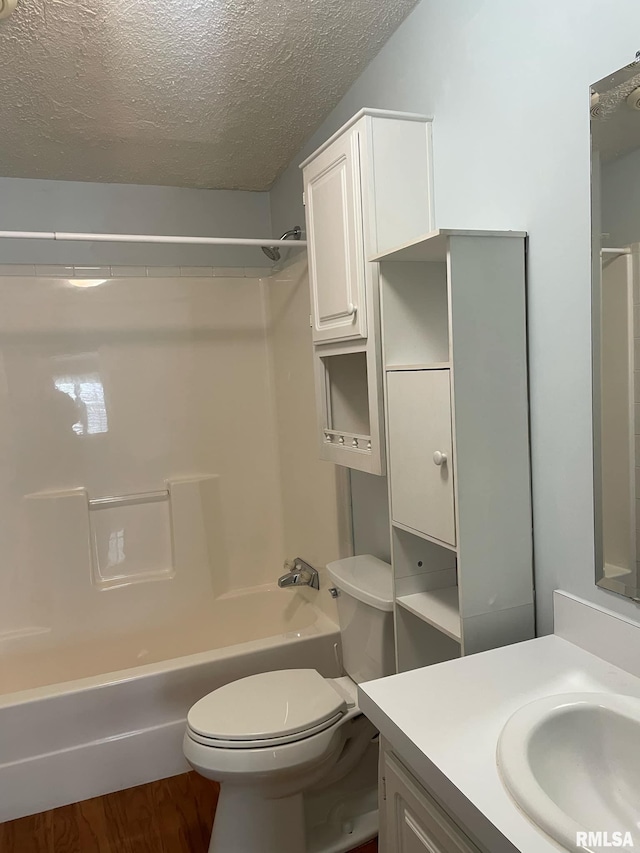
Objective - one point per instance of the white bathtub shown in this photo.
(83, 721)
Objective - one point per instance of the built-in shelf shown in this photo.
(433, 247)
(437, 365)
(438, 607)
(421, 535)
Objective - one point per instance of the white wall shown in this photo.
(508, 86)
(33, 205)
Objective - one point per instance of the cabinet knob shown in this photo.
(439, 458)
(351, 309)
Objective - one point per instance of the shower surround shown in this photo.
(157, 445)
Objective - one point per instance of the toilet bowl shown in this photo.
(295, 757)
(301, 731)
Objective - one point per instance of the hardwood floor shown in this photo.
(170, 816)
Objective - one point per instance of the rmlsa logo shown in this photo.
(589, 840)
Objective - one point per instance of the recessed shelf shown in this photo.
(424, 536)
(434, 246)
(438, 607)
(434, 365)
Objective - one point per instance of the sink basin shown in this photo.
(572, 764)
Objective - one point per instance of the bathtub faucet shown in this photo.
(299, 574)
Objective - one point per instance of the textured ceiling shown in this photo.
(201, 93)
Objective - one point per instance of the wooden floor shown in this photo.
(170, 816)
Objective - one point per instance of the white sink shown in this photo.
(572, 764)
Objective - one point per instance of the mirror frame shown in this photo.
(610, 584)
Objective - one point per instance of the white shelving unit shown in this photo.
(453, 319)
(420, 352)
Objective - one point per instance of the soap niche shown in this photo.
(131, 544)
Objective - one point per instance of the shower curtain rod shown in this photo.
(148, 238)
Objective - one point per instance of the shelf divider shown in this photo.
(421, 535)
(434, 365)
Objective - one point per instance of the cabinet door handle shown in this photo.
(351, 309)
(439, 458)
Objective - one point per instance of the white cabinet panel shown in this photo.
(413, 822)
(336, 249)
(421, 452)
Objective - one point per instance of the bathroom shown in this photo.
(161, 428)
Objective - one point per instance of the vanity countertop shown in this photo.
(444, 722)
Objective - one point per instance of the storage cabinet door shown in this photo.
(421, 452)
(414, 823)
(333, 199)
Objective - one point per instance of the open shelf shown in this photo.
(415, 314)
(434, 246)
(347, 392)
(438, 607)
(420, 644)
(425, 536)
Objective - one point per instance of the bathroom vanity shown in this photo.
(440, 788)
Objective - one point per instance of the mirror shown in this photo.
(615, 202)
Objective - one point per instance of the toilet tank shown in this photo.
(365, 612)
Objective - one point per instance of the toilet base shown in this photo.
(333, 819)
(245, 822)
(345, 814)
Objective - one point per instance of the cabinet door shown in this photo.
(414, 822)
(419, 423)
(333, 199)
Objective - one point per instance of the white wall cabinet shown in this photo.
(410, 819)
(333, 203)
(453, 317)
(420, 441)
(366, 188)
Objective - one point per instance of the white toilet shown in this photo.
(295, 757)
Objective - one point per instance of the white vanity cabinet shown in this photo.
(367, 188)
(410, 819)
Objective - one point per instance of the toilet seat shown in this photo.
(269, 709)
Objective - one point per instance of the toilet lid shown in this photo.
(278, 704)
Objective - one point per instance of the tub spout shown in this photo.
(300, 574)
